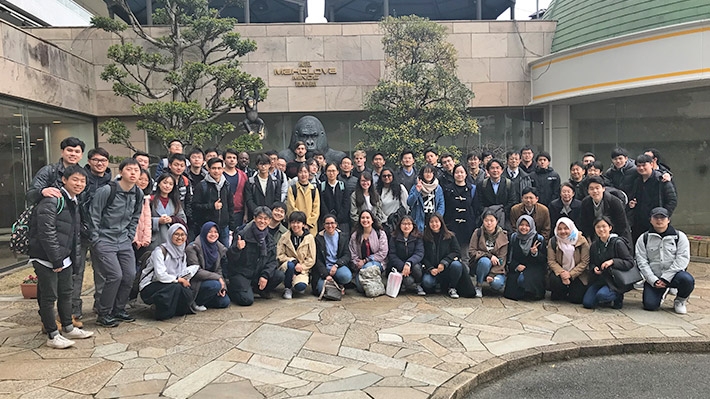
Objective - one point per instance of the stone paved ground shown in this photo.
(408, 347)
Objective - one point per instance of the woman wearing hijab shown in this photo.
(426, 197)
(526, 267)
(608, 251)
(165, 281)
(568, 258)
(207, 252)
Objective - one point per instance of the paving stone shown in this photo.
(152, 353)
(569, 334)
(426, 374)
(41, 369)
(236, 355)
(189, 385)
(127, 376)
(330, 359)
(357, 382)
(337, 395)
(110, 349)
(270, 363)
(434, 347)
(122, 356)
(323, 343)
(275, 341)
(392, 392)
(241, 389)
(558, 318)
(312, 365)
(156, 376)
(261, 375)
(471, 343)
(46, 392)
(515, 343)
(369, 357)
(384, 337)
(657, 319)
(399, 381)
(375, 369)
(182, 364)
(421, 328)
(90, 380)
(138, 363)
(133, 389)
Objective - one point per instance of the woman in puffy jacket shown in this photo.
(441, 258)
(406, 251)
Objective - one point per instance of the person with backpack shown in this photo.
(364, 197)
(263, 188)
(303, 196)
(497, 193)
(114, 212)
(174, 147)
(607, 252)
(213, 202)
(238, 180)
(166, 280)
(334, 199)
(48, 180)
(662, 255)
(54, 246)
(165, 210)
(568, 258)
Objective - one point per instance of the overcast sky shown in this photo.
(523, 8)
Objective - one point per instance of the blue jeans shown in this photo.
(365, 266)
(342, 276)
(683, 281)
(207, 296)
(483, 267)
(224, 235)
(448, 278)
(600, 292)
(288, 279)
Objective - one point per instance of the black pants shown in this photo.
(54, 287)
(574, 292)
(171, 299)
(241, 289)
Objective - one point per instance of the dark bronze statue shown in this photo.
(310, 130)
(252, 124)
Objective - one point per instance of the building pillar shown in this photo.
(149, 12)
(247, 12)
(557, 137)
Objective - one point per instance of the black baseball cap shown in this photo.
(659, 211)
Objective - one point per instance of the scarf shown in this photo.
(526, 240)
(209, 250)
(567, 244)
(429, 188)
(491, 237)
(176, 259)
(219, 183)
(261, 238)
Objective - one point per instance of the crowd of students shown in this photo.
(208, 230)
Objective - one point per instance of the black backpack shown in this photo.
(112, 196)
(20, 238)
(295, 191)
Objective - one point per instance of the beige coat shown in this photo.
(306, 202)
(305, 255)
(581, 259)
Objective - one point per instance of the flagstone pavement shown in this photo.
(407, 347)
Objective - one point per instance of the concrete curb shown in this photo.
(464, 382)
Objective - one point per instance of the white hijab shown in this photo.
(567, 244)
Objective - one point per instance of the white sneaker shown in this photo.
(679, 306)
(78, 333)
(639, 285)
(59, 342)
(673, 291)
(197, 308)
(453, 294)
(288, 294)
(479, 292)
(420, 291)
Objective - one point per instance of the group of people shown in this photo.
(207, 229)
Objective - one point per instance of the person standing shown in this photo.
(346, 175)
(526, 159)
(335, 199)
(497, 193)
(237, 181)
(113, 226)
(300, 152)
(48, 180)
(263, 188)
(54, 246)
(243, 164)
(407, 173)
(520, 179)
(545, 179)
(174, 147)
(662, 255)
(648, 191)
(303, 196)
(213, 203)
(378, 163)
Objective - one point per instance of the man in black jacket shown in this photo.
(648, 190)
(545, 179)
(497, 193)
(331, 260)
(48, 180)
(252, 262)
(212, 201)
(55, 245)
(601, 203)
(621, 171)
(262, 189)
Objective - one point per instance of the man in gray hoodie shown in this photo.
(114, 213)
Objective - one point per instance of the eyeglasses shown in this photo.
(183, 235)
(386, 176)
(98, 160)
(329, 223)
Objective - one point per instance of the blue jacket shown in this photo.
(416, 205)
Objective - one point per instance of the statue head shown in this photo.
(310, 130)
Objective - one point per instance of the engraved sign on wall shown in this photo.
(306, 75)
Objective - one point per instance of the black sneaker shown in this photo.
(123, 316)
(107, 321)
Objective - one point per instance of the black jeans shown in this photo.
(170, 299)
(574, 292)
(55, 287)
(241, 289)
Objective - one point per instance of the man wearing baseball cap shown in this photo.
(662, 255)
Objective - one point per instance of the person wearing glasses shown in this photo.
(393, 196)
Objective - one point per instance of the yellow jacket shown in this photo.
(305, 255)
(305, 201)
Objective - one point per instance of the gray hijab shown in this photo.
(177, 260)
(526, 240)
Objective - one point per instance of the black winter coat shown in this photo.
(461, 211)
(203, 205)
(254, 197)
(621, 178)
(401, 252)
(613, 209)
(49, 176)
(440, 250)
(249, 262)
(575, 214)
(504, 197)
(320, 270)
(615, 249)
(547, 184)
(652, 193)
(534, 273)
(55, 236)
(336, 203)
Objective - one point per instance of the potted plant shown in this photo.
(29, 287)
